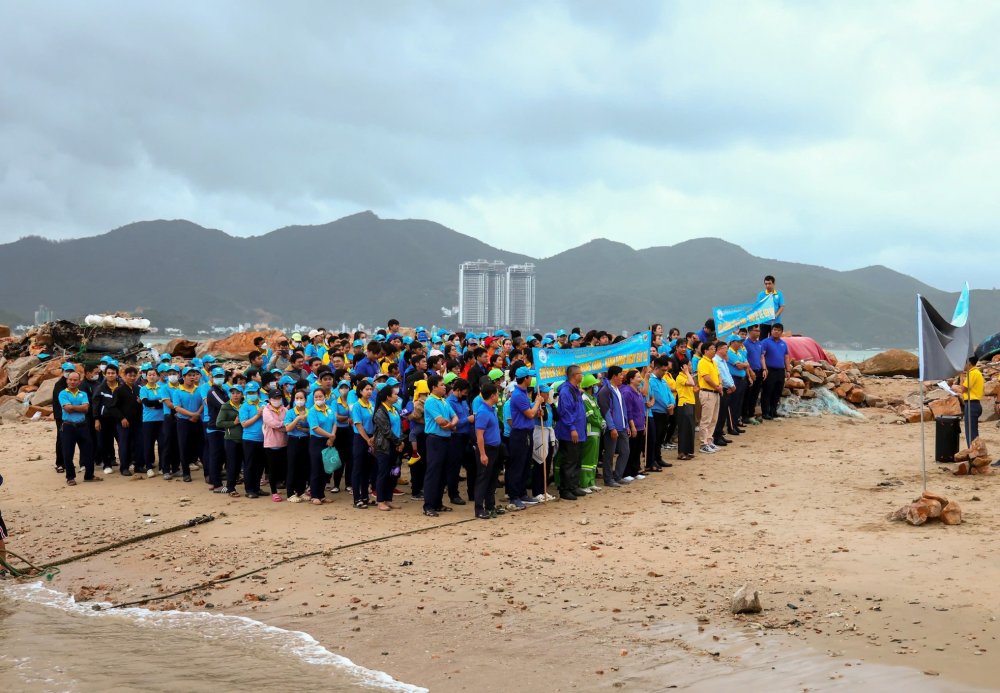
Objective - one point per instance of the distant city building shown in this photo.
(520, 301)
(492, 295)
(482, 294)
(43, 315)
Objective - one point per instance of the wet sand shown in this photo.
(606, 592)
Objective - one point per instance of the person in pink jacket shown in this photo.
(275, 441)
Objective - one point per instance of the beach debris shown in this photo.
(746, 600)
(929, 506)
(974, 459)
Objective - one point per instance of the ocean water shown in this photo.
(48, 642)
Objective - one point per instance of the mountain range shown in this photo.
(366, 269)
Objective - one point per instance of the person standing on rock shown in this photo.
(971, 387)
(75, 406)
(776, 362)
(779, 305)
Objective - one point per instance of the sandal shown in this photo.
(276, 497)
(71, 482)
(383, 507)
(234, 494)
(430, 513)
(444, 509)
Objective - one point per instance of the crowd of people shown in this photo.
(316, 414)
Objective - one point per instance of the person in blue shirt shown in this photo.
(774, 351)
(755, 374)
(612, 405)
(739, 370)
(151, 395)
(523, 412)
(344, 398)
(779, 305)
(363, 453)
(75, 433)
(440, 421)
(297, 427)
(662, 413)
(214, 394)
(488, 450)
(368, 367)
(722, 422)
(322, 422)
(460, 453)
(188, 406)
(251, 418)
(571, 432)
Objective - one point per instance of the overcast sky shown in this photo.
(843, 134)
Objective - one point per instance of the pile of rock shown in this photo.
(975, 459)
(26, 386)
(844, 380)
(929, 506)
(235, 347)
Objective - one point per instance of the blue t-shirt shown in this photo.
(486, 421)
(395, 423)
(774, 351)
(436, 407)
(737, 363)
(461, 409)
(753, 353)
(779, 301)
(519, 403)
(506, 418)
(186, 399)
(74, 400)
(301, 429)
(663, 397)
(254, 432)
(153, 392)
(342, 409)
(360, 414)
(324, 419)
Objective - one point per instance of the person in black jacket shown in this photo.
(477, 371)
(105, 425)
(57, 413)
(126, 411)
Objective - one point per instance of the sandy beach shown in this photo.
(626, 588)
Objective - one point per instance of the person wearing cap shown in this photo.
(571, 432)
(662, 413)
(440, 421)
(363, 452)
(342, 400)
(126, 410)
(208, 363)
(105, 426)
(252, 421)
(460, 453)
(738, 370)
(275, 441)
(523, 413)
(188, 408)
(60, 385)
(357, 351)
(315, 348)
(229, 422)
(151, 396)
(414, 412)
(75, 406)
(215, 394)
(368, 367)
(487, 448)
(543, 444)
(616, 441)
(297, 427)
(590, 452)
(170, 453)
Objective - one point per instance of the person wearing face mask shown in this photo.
(322, 434)
(363, 457)
(251, 418)
(151, 395)
(297, 428)
(344, 441)
(188, 408)
(216, 394)
(228, 421)
(275, 441)
(104, 424)
(170, 461)
(388, 443)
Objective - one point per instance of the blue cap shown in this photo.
(499, 333)
(189, 369)
(370, 380)
(235, 388)
(208, 358)
(142, 369)
(344, 383)
(197, 363)
(544, 388)
(218, 371)
(407, 339)
(112, 362)
(380, 338)
(394, 335)
(358, 343)
(523, 372)
(392, 382)
(67, 366)
(276, 370)
(165, 357)
(173, 367)
(286, 380)
(106, 359)
(561, 333)
(547, 340)
(252, 386)
(43, 356)
(162, 368)
(436, 339)
(379, 386)
(573, 337)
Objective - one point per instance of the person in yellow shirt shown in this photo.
(710, 391)
(971, 387)
(686, 386)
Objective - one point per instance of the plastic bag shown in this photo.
(331, 460)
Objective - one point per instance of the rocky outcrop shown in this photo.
(236, 346)
(181, 348)
(892, 362)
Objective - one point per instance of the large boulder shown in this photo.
(856, 395)
(181, 348)
(18, 368)
(892, 362)
(50, 371)
(4, 331)
(949, 406)
(11, 410)
(237, 346)
(794, 384)
(43, 395)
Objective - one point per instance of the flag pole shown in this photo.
(920, 375)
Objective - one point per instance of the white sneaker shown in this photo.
(589, 491)
(715, 448)
(150, 473)
(629, 479)
(295, 499)
(549, 496)
(707, 450)
(593, 488)
(640, 476)
(108, 470)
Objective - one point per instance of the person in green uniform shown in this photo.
(592, 446)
